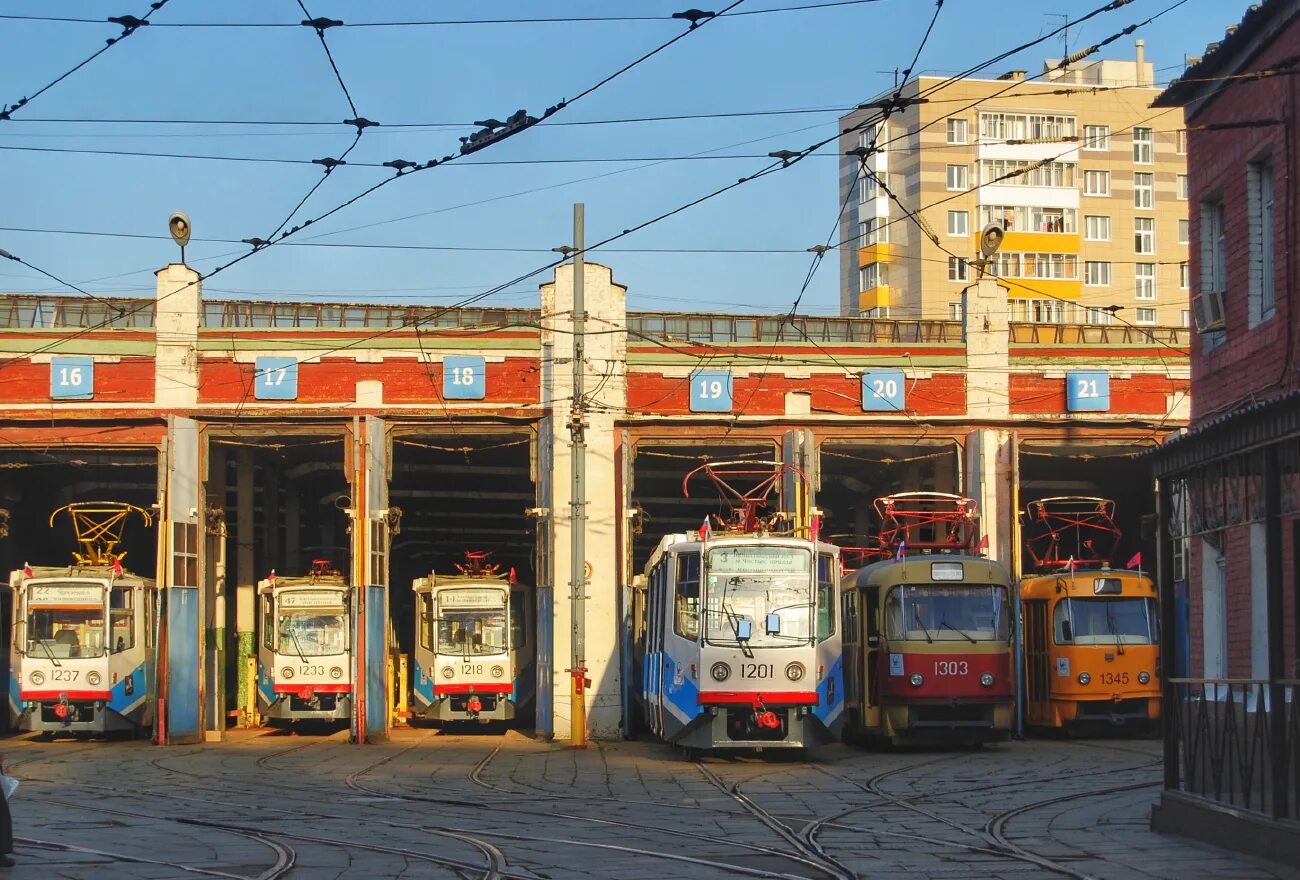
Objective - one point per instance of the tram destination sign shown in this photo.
(311, 599)
(67, 594)
(758, 559)
(471, 598)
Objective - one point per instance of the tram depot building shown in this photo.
(266, 435)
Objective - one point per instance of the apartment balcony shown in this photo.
(874, 253)
(875, 298)
(1037, 242)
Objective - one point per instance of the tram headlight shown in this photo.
(987, 679)
(93, 678)
(1144, 677)
(720, 671)
(916, 679)
(1085, 678)
(795, 671)
(336, 672)
(498, 671)
(37, 677)
(448, 672)
(286, 673)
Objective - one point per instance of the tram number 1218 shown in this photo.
(757, 670)
(471, 669)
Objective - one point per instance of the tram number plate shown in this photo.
(951, 667)
(64, 674)
(1114, 677)
(757, 670)
(311, 670)
(471, 669)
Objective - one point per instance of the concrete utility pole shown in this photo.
(578, 498)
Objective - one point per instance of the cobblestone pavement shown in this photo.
(486, 805)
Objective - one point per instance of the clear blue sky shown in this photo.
(817, 58)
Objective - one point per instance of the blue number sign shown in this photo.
(1087, 391)
(72, 378)
(464, 378)
(711, 391)
(276, 378)
(883, 391)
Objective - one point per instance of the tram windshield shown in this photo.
(472, 622)
(60, 632)
(309, 633)
(763, 588)
(933, 613)
(1105, 621)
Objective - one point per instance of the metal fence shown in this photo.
(1237, 742)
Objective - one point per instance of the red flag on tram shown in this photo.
(706, 530)
(815, 527)
(27, 570)
(117, 567)
(983, 545)
(1136, 561)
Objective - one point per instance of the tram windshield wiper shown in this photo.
(916, 615)
(1114, 630)
(943, 624)
(302, 655)
(49, 653)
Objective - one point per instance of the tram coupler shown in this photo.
(767, 719)
(474, 705)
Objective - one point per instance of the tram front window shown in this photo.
(472, 631)
(1110, 621)
(768, 586)
(312, 634)
(60, 633)
(928, 613)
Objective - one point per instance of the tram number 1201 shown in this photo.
(951, 667)
(757, 670)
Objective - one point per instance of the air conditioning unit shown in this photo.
(1208, 309)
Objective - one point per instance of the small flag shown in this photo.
(1136, 561)
(117, 567)
(271, 578)
(1071, 565)
(27, 571)
(815, 527)
(706, 530)
(902, 550)
(983, 545)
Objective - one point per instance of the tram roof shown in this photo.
(1045, 585)
(316, 582)
(77, 572)
(916, 569)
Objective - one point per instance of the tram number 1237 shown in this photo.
(951, 667)
(757, 670)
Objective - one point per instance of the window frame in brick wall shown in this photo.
(1260, 229)
(1182, 184)
(1144, 281)
(959, 223)
(1144, 145)
(1103, 273)
(1102, 220)
(1144, 190)
(1144, 235)
(958, 269)
(963, 175)
(1099, 175)
(1184, 230)
(1096, 138)
(958, 130)
(1146, 316)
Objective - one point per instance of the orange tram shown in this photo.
(1091, 647)
(928, 652)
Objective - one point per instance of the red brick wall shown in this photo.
(130, 380)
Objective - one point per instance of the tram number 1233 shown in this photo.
(757, 670)
(951, 667)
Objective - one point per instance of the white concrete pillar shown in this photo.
(177, 317)
(988, 352)
(989, 480)
(605, 381)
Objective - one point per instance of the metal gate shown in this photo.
(180, 675)
(372, 522)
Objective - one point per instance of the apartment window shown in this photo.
(1025, 126)
(866, 188)
(862, 234)
(954, 311)
(1022, 172)
(1184, 275)
(867, 137)
(1144, 277)
(1182, 186)
(873, 276)
(1096, 273)
(1144, 146)
(958, 223)
(1185, 318)
(1027, 219)
(877, 231)
(1180, 142)
(1096, 227)
(957, 131)
(1146, 316)
(1144, 185)
(1096, 137)
(1184, 230)
(958, 177)
(1098, 316)
(1096, 183)
(1214, 255)
(958, 269)
(1144, 235)
(1259, 207)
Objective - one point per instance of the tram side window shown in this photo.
(825, 596)
(122, 618)
(518, 631)
(268, 624)
(428, 620)
(686, 616)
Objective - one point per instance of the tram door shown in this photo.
(179, 550)
(371, 531)
(1037, 663)
(871, 641)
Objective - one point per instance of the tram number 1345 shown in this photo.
(757, 670)
(951, 667)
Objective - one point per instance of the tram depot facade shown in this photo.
(995, 411)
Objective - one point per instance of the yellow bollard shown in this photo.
(251, 716)
(403, 688)
(390, 682)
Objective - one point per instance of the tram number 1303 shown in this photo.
(951, 667)
(757, 670)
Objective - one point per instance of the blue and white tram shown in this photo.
(738, 646)
(82, 658)
(473, 649)
(304, 655)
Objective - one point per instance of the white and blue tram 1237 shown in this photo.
(737, 644)
(83, 643)
(473, 649)
(304, 654)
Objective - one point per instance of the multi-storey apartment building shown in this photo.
(1089, 182)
